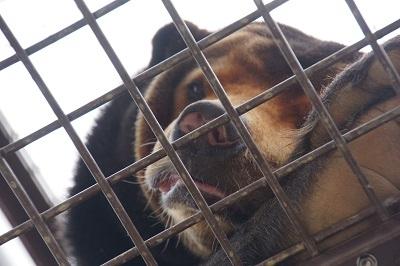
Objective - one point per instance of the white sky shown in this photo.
(77, 70)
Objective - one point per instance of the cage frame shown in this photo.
(37, 219)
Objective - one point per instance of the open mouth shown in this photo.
(169, 183)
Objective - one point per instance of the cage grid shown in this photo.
(194, 49)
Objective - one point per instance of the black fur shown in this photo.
(93, 230)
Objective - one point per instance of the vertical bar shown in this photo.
(155, 126)
(30, 209)
(378, 50)
(325, 117)
(83, 151)
(244, 134)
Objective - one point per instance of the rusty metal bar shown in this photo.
(61, 34)
(379, 52)
(21, 143)
(324, 115)
(29, 207)
(157, 130)
(83, 151)
(243, 132)
(275, 259)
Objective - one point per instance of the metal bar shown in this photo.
(30, 208)
(243, 132)
(21, 143)
(227, 201)
(168, 63)
(84, 153)
(324, 115)
(293, 250)
(379, 52)
(157, 130)
(61, 34)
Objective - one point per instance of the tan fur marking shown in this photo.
(336, 194)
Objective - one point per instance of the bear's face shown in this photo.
(246, 63)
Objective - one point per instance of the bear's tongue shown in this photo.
(167, 184)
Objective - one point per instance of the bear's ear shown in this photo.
(167, 41)
(310, 50)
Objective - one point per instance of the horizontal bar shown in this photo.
(61, 34)
(275, 259)
(21, 143)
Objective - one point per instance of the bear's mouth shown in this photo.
(168, 183)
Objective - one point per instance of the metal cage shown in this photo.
(38, 217)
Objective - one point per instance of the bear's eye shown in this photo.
(195, 91)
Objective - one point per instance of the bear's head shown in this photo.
(247, 63)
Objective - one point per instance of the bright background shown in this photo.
(77, 70)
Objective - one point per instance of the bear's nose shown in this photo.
(198, 114)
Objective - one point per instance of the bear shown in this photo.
(247, 63)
